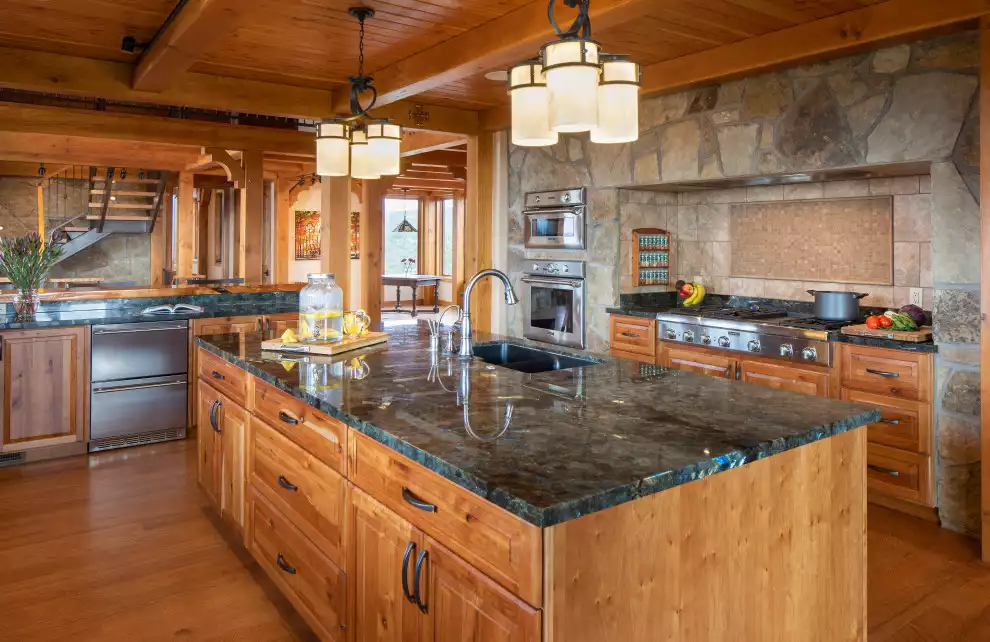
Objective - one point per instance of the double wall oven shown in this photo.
(553, 302)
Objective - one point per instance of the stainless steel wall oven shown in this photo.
(553, 302)
(555, 220)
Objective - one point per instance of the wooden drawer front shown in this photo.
(784, 378)
(899, 473)
(906, 424)
(225, 377)
(701, 362)
(907, 375)
(318, 434)
(314, 584)
(501, 545)
(632, 334)
(309, 493)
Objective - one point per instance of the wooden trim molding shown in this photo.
(985, 281)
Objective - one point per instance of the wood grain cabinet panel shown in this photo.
(208, 444)
(45, 387)
(498, 543)
(225, 377)
(381, 562)
(905, 424)
(279, 323)
(633, 335)
(233, 423)
(784, 377)
(897, 373)
(310, 495)
(314, 584)
(228, 325)
(697, 361)
(899, 473)
(462, 604)
(309, 428)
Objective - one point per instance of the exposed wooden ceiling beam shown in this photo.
(441, 158)
(187, 36)
(76, 150)
(515, 36)
(824, 38)
(96, 124)
(400, 182)
(73, 75)
(421, 142)
(18, 169)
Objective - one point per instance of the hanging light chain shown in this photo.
(361, 48)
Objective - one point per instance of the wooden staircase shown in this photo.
(118, 200)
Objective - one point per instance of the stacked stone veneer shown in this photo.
(911, 102)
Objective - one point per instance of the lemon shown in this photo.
(289, 337)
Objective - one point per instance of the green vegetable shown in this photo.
(900, 321)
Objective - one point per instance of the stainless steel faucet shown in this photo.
(510, 299)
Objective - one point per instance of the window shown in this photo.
(401, 245)
(447, 243)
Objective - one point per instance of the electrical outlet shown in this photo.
(917, 296)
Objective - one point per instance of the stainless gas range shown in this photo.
(765, 333)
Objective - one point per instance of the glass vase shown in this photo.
(26, 303)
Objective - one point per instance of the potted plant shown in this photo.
(26, 260)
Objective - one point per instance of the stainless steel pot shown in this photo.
(837, 306)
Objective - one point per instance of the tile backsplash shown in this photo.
(699, 223)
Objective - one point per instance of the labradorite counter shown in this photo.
(548, 447)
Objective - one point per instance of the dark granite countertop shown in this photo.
(650, 312)
(577, 441)
(76, 316)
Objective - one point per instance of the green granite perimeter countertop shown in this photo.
(548, 447)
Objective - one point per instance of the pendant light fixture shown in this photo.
(405, 225)
(574, 87)
(357, 145)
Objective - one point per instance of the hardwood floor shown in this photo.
(119, 546)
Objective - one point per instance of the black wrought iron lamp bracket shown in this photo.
(361, 84)
(580, 28)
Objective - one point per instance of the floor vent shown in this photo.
(154, 437)
(12, 459)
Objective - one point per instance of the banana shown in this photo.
(697, 295)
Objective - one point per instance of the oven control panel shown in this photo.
(570, 269)
(812, 351)
(565, 198)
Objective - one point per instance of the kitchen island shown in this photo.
(616, 501)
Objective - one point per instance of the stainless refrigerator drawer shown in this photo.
(137, 406)
(139, 350)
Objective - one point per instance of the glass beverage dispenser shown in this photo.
(321, 310)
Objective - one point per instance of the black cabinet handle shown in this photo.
(893, 422)
(287, 418)
(214, 419)
(217, 375)
(417, 577)
(882, 373)
(216, 416)
(282, 564)
(416, 502)
(728, 371)
(410, 551)
(259, 324)
(631, 335)
(885, 471)
(284, 483)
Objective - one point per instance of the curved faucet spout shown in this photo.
(466, 351)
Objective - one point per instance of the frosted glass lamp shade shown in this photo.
(618, 103)
(384, 143)
(333, 149)
(530, 106)
(572, 72)
(362, 165)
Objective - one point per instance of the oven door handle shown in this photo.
(570, 283)
(544, 214)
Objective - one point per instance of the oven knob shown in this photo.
(670, 333)
(786, 350)
(688, 336)
(567, 198)
(753, 345)
(536, 267)
(707, 340)
(537, 199)
(809, 354)
(724, 342)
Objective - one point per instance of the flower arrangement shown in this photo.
(409, 264)
(26, 261)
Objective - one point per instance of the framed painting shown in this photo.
(355, 235)
(307, 234)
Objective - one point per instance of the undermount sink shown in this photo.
(525, 359)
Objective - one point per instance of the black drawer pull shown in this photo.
(885, 471)
(287, 418)
(410, 551)
(893, 422)
(284, 483)
(631, 335)
(282, 564)
(883, 373)
(417, 580)
(417, 502)
(217, 375)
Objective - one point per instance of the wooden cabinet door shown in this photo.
(227, 325)
(784, 377)
(45, 396)
(697, 361)
(462, 604)
(208, 443)
(233, 422)
(380, 611)
(279, 323)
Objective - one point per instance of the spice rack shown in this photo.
(651, 257)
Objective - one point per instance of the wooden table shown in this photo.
(413, 281)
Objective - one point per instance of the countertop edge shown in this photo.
(570, 510)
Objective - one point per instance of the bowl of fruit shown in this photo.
(691, 294)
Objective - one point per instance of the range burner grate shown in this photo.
(811, 323)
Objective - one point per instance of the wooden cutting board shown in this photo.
(863, 330)
(330, 349)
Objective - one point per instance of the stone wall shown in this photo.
(911, 102)
(118, 258)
